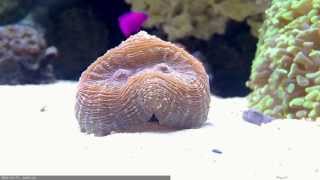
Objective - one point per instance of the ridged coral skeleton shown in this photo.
(142, 79)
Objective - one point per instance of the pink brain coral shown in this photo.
(143, 79)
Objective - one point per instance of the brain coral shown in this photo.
(285, 76)
(200, 18)
(144, 84)
(24, 56)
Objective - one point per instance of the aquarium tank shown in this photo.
(159, 89)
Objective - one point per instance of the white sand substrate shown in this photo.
(39, 135)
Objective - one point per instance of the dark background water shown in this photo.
(82, 30)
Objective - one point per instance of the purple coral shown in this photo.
(131, 22)
(24, 56)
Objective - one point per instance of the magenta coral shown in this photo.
(132, 22)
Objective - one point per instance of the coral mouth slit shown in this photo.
(153, 119)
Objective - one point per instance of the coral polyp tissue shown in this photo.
(285, 76)
(144, 84)
(200, 18)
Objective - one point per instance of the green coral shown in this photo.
(200, 18)
(285, 76)
(13, 10)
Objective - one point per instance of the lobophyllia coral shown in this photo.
(144, 84)
(200, 18)
(285, 76)
(24, 56)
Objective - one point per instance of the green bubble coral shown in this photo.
(285, 76)
(200, 18)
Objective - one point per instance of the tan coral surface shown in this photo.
(142, 79)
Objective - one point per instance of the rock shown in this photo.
(24, 56)
(256, 117)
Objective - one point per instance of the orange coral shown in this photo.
(142, 79)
